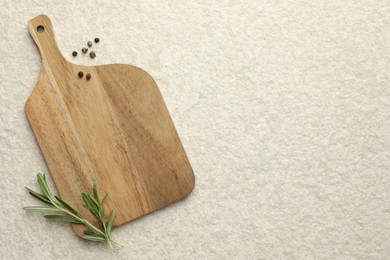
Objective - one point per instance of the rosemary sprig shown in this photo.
(56, 206)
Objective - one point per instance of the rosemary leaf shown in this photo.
(101, 213)
(39, 196)
(104, 199)
(90, 232)
(63, 218)
(44, 209)
(109, 225)
(94, 238)
(95, 194)
(43, 185)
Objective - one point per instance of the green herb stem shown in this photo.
(92, 203)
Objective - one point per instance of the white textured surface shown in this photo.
(283, 108)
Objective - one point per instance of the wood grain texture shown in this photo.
(113, 130)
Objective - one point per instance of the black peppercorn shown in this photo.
(88, 76)
(84, 50)
(92, 54)
(74, 53)
(89, 43)
(81, 74)
(97, 40)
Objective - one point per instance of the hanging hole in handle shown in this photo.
(40, 29)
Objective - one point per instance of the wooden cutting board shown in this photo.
(113, 130)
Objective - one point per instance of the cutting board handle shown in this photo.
(41, 31)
